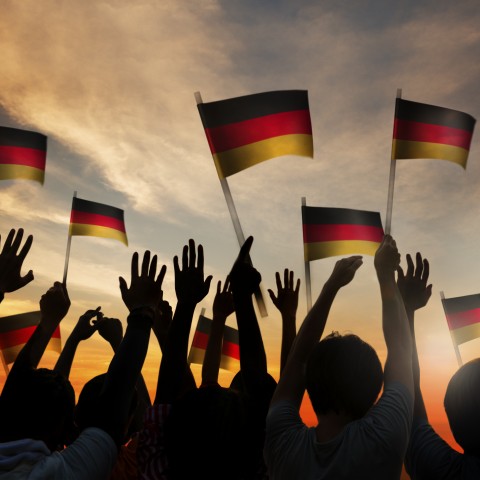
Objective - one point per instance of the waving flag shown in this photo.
(22, 154)
(328, 232)
(15, 331)
(463, 317)
(244, 131)
(428, 131)
(97, 220)
(230, 359)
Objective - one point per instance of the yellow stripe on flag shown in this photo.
(11, 172)
(97, 231)
(10, 354)
(318, 250)
(237, 159)
(465, 334)
(405, 149)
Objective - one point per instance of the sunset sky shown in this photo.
(111, 83)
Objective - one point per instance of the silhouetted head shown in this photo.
(206, 434)
(344, 375)
(88, 411)
(462, 404)
(39, 406)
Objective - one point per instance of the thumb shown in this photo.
(123, 286)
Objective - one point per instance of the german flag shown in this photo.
(328, 232)
(15, 331)
(97, 220)
(22, 154)
(230, 359)
(427, 131)
(244, 131)
(463, 317)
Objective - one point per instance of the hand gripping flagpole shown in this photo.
(455, 346)
(391, 182)
(237, 227)
(308, 283)
(69, 242)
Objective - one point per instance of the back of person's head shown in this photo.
(39, 407)
(344, 375)
(462, 404)
(88, 411)
(205, 435)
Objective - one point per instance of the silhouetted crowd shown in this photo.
(371, 420)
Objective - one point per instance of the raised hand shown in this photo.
(413, 285)
(54, 304)
(145, 289)
(223, 305)
(387, 258)
(344, 271)
(190, 285)
(111, 330)
(244, 278)
(286, 299)
(85, 327)
(11, 262)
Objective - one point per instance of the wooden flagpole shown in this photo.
(237, 227)
(69, 242)
(455, 346)
(308, 283)
(391, 181)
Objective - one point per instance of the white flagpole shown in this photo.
(236, 225)
(391, 181)
(455, 346)
(308, 283)
(69, 242)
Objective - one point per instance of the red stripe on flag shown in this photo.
(231, 350)
(243, 133)
(463, 319)
(95, 219)
(336, 232)
(427, 132)
(20, 336)
(200, 340)
(29, 157)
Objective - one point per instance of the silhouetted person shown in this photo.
(354, 438)
(428, 456)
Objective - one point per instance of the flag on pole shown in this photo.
(230, 359)
(463, 317)
(97, 220)
(22, 154)
(15, 331)
(328, 232)
(244, 131)
(428, 131)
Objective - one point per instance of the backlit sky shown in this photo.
(112, 85)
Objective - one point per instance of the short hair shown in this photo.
(343, 374)
(462, 405)
(42, 402)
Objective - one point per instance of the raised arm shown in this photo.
(286, 301)
(245, 280)
(83, 330)
(398, 366)
(415, 293)
(191, 287)
(291, 385)
(141, 298)
(11, 263)
(222, 308)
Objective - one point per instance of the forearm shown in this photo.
(288, 337)
(419, 409)
(398, 365)
(65, 360)
(253, 359)
(173, 367)
(211, 361)
(291, 385)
